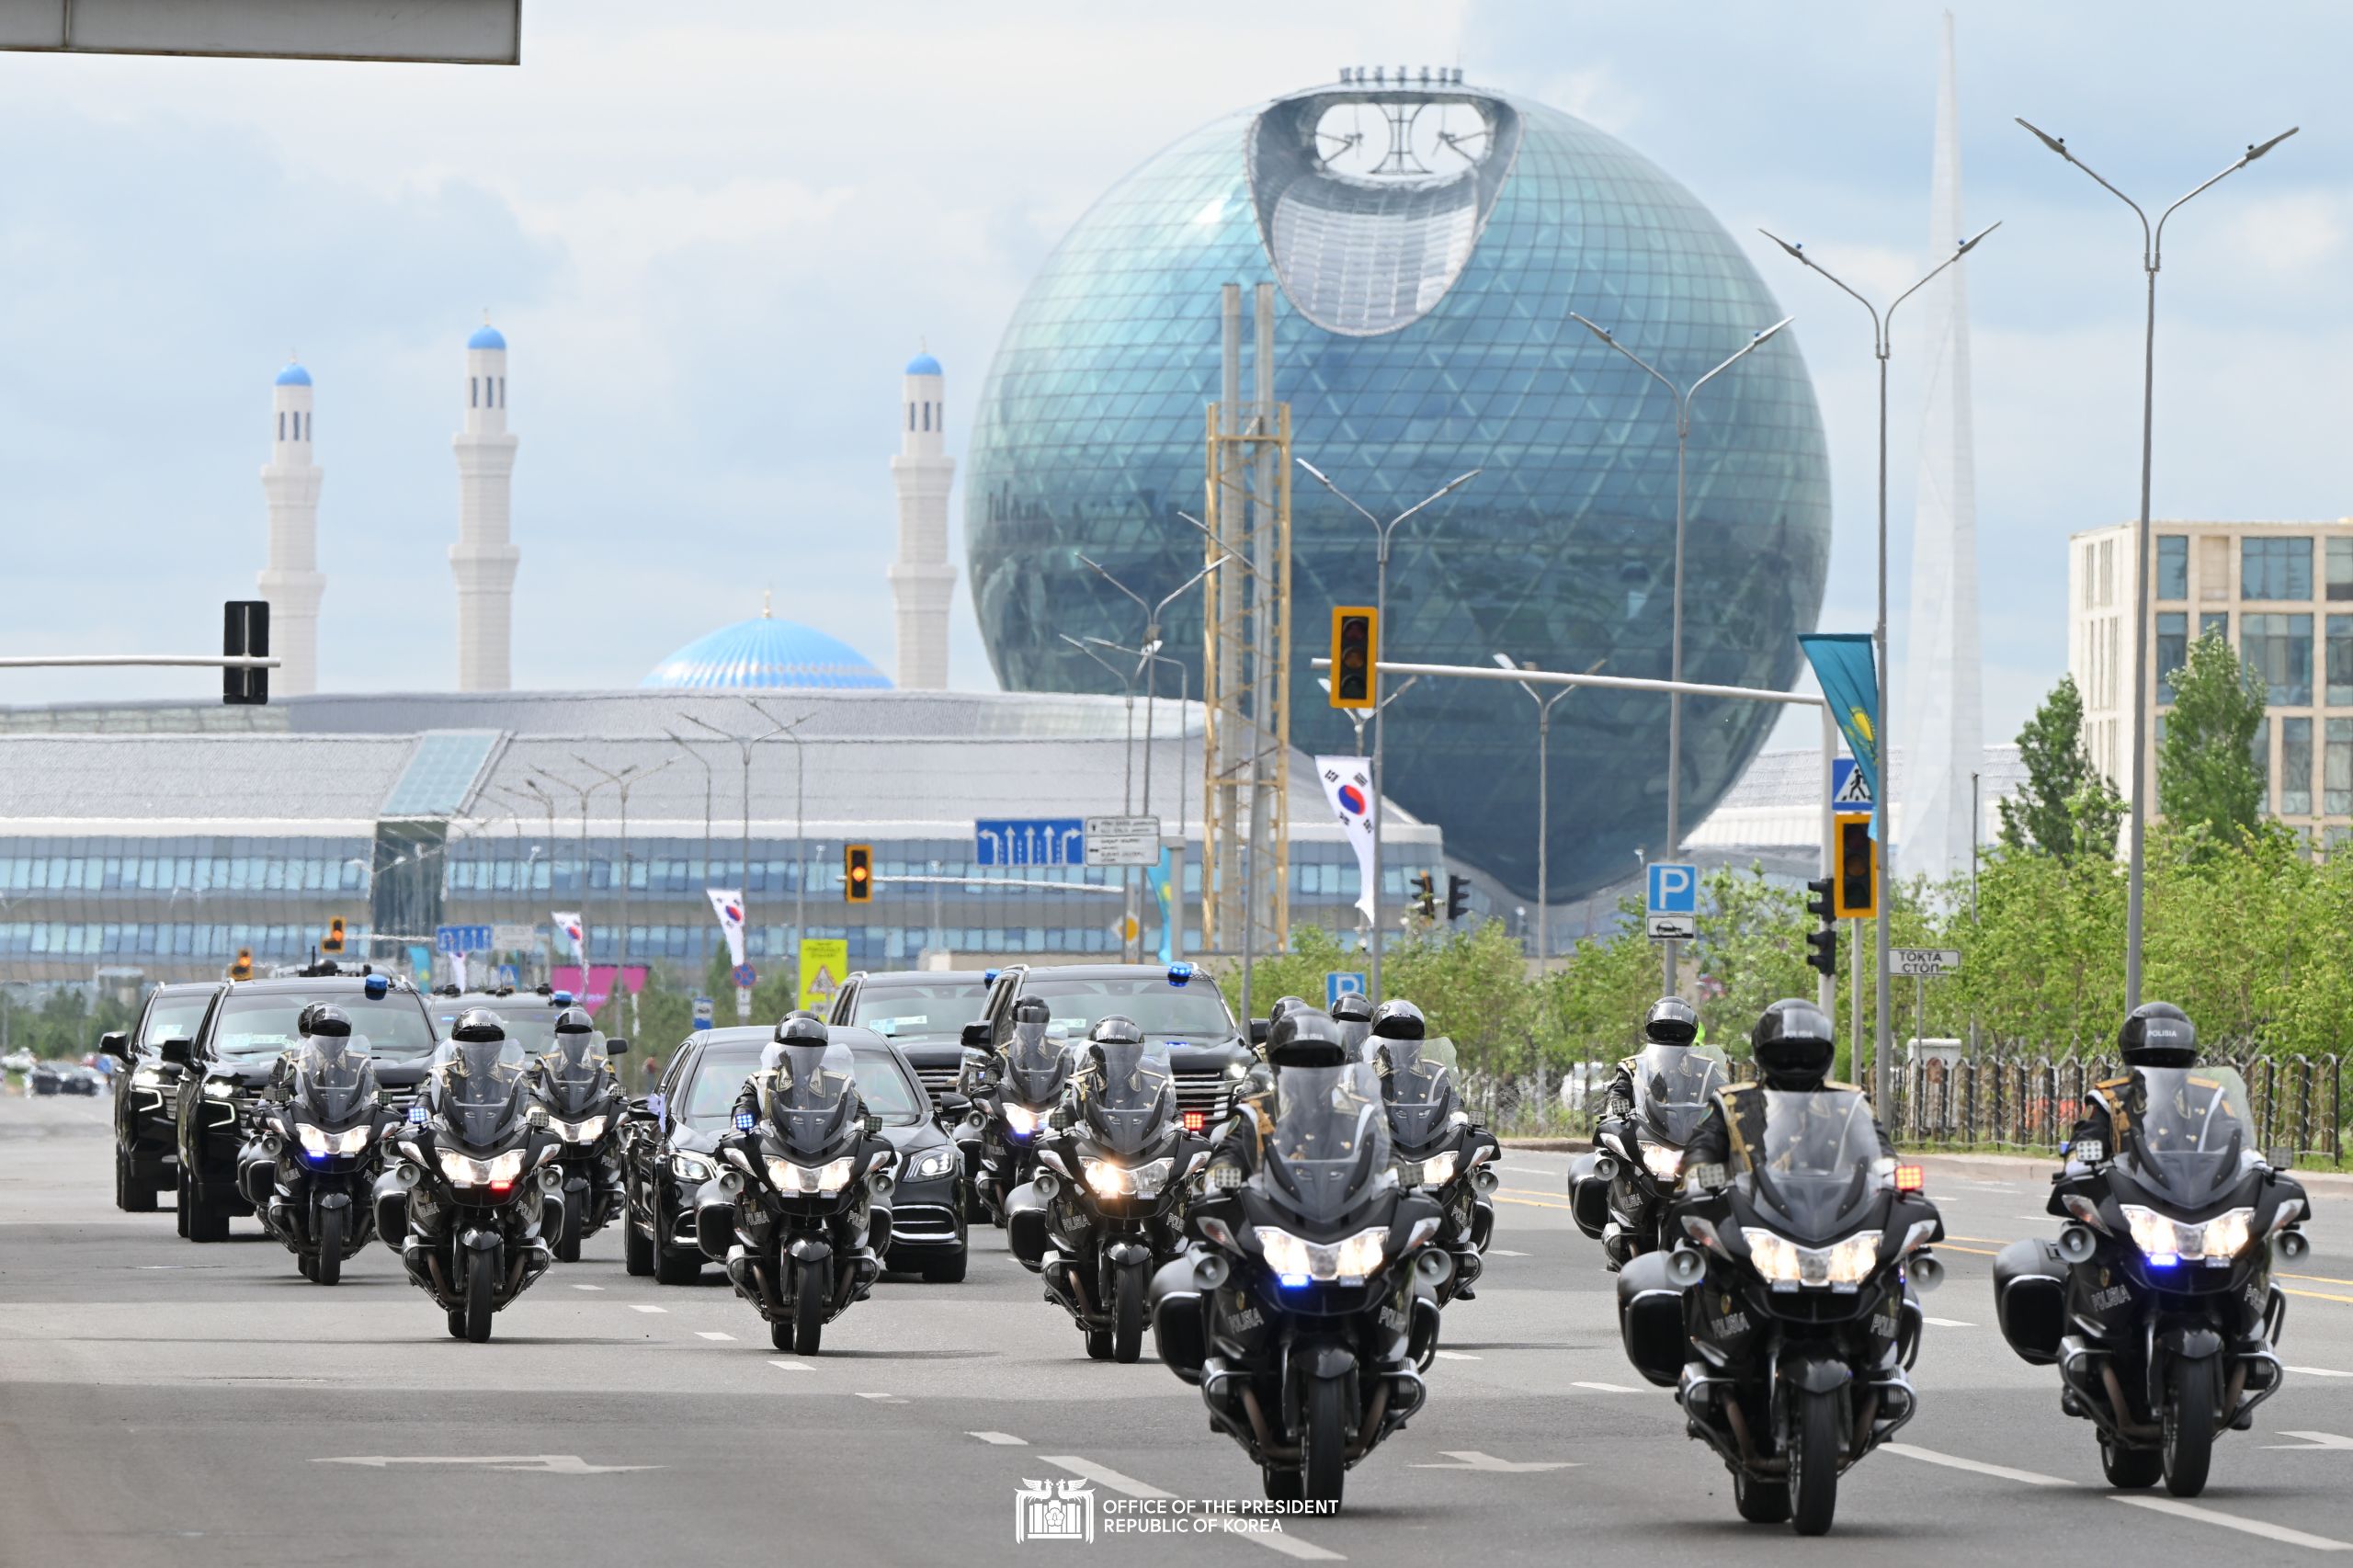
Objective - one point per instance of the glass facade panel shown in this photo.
(2279, 647)
(2295, 768)
(2337, 770)
(2173, 649)
(2275, 568)
(2340, 661)
(2173, 566)
(2214, 623)
(2340, 569)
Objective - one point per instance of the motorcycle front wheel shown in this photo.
(1324, 1463)
(567, 1240)
(2189, 1450)
(481, 1285)
(1127, 1286)
(808, 1304)
(1814, 1463)
(328, 1269)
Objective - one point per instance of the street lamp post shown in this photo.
(2152, 257)
(588, 929)
(703, 763)
(1675, 633)
(791, 730)
(744, 745)
(1543, 804)
(624, 782)
(1130, 918)
(1883, 326)
(1382, 533)
(1150, 652)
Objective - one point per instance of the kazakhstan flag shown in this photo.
(1842, 662)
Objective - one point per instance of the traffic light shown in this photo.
(1356, 644)
(857, 873)
(1857, 867)
(1458, 897)
(334, 942)
(1821, 946)
(1425, 895)
(245, 634)
(243, 969)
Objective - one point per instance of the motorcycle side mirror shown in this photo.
(1258, 1028)
(179, 1051)
(639, 1110)
(617, 1045)
(977, 1034)
(117, 1044)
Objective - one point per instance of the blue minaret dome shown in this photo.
(293, 376)
(486, 336)
(923, 365)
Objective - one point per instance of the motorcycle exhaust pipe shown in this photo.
(1926, 1273)
(2293, 1244)
(2077, 1244)
(1685, 1267)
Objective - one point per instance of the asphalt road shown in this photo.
(167, 1404)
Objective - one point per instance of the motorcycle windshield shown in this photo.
(1673, 1088)
(1354, 1032)
(1037, 1065)
(1417, 1083)
(2186, 1131)
(334, 1080)
(812, 1098)
(1128, 1095)
(481, 1096)
(574, 1076)
(1807, 1158)
(1331, 1139)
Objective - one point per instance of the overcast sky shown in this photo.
(713, 235)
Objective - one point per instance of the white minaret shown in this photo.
(483, 560)
(291, 582)
(921, 579)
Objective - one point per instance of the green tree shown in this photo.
(2066, 806)
(2207, 775)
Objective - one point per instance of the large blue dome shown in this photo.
(1422, 330)
(766, 653)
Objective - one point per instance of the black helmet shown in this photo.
(1309, 1037)
(2158, 1034)
(1399, 1019)
(325, 1018)
(1283, 1005)
(1670, 1021)
(575, 1020)
(1792, 1045)
(1353, 1007)
(1031, 1010)
(801, 1028)
(1117, 1030)
(479, 1023)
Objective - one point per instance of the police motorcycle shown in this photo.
(586, 1106)
(1439, 1150)
(1308, 1309)
(799, 1211)
(1785, 1317)
(1105, 1206)
(472, 1179)
(1013, 1095)
(2157, 1302)
(309, 1161)
(1622, 1193)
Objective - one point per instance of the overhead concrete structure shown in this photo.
(921, 579)
(484, 558)
(454, 32)
(291, 582)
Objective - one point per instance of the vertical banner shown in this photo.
(569, 928)
(1849, 677)
(458, 971)
(823, 965)
(1163, 893)
(728, 905)
(1348, 784)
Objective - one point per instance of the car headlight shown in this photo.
(464, 1170)
(1662, 1161)
(1109, 1178)
(147, 1079)
(1023, 1122)
(1784, 1265)
(1296, 1261)
(2165, 1241)
(690, 1167)
(586, 1132)
(793, 1179)
(1237, 1070)
(319, 1144)
(931, 1164)
(220, 1090)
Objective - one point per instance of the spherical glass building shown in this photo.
(1429, 243)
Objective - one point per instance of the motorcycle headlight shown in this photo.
(931, 1164)
(1023, 1122)
(793, 1179)
(220, 1090)
(1663, 1162)
(1109, 1178)
(586, 1132)
(2165, 1241)
(1436, 1171)
(1296, 1261)
(320, 1144)
(147, 1079)
(690, 1167)
(1784, 1265)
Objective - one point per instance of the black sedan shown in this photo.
(146, 1136)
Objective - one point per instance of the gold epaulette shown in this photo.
(2113, 1084)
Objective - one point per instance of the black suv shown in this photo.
(669, 1155)
(923, 1012)
(1175, 1004)
(147, 1142)
(251, 1024)
(530, 1015)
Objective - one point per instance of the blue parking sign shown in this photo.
(1341, 982)
(1673, 888)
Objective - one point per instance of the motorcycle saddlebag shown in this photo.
(1178, 1331)
(1025, 1226)
(1649, 1320)
(1588, 1197)
(2031, 1298)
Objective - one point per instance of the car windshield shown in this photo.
(933, 1010)
(719, 1075)
(889, 1093)
(253, 1027)
(174, 1017)
(1807, 1156)
(1672, 1088)
(2187, 1130)
(532, 1027)
(1158, 1005)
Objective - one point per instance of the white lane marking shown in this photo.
(2319, 1372)
(1499, 1252)
(1002, 1439)
(543, 1464)
(1129, 1486)
(2263, 1528)
(884, 1398)
(2313, 1441)
(1948, 1322)
(1977, 1467)
(1607, 1388)
(712, 1334)
(642, 1307)
(790, 1366)
(1472, 1458)
(588, 1287)
(1455, 1356)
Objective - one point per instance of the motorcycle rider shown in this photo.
(800, 1027)
(1240, 1147)
(2154, 1034)
(1793, 1050)
(479, 1056)
(1400, 1020)
(1671, 1022)
(575, 1057)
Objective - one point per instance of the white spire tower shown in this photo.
(291, 582)
(1945, 719)
(483, 560)
(921, 579)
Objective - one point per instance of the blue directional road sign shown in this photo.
(461, 939)
(1342, 982)
(1674, 901)
(1030, 841)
